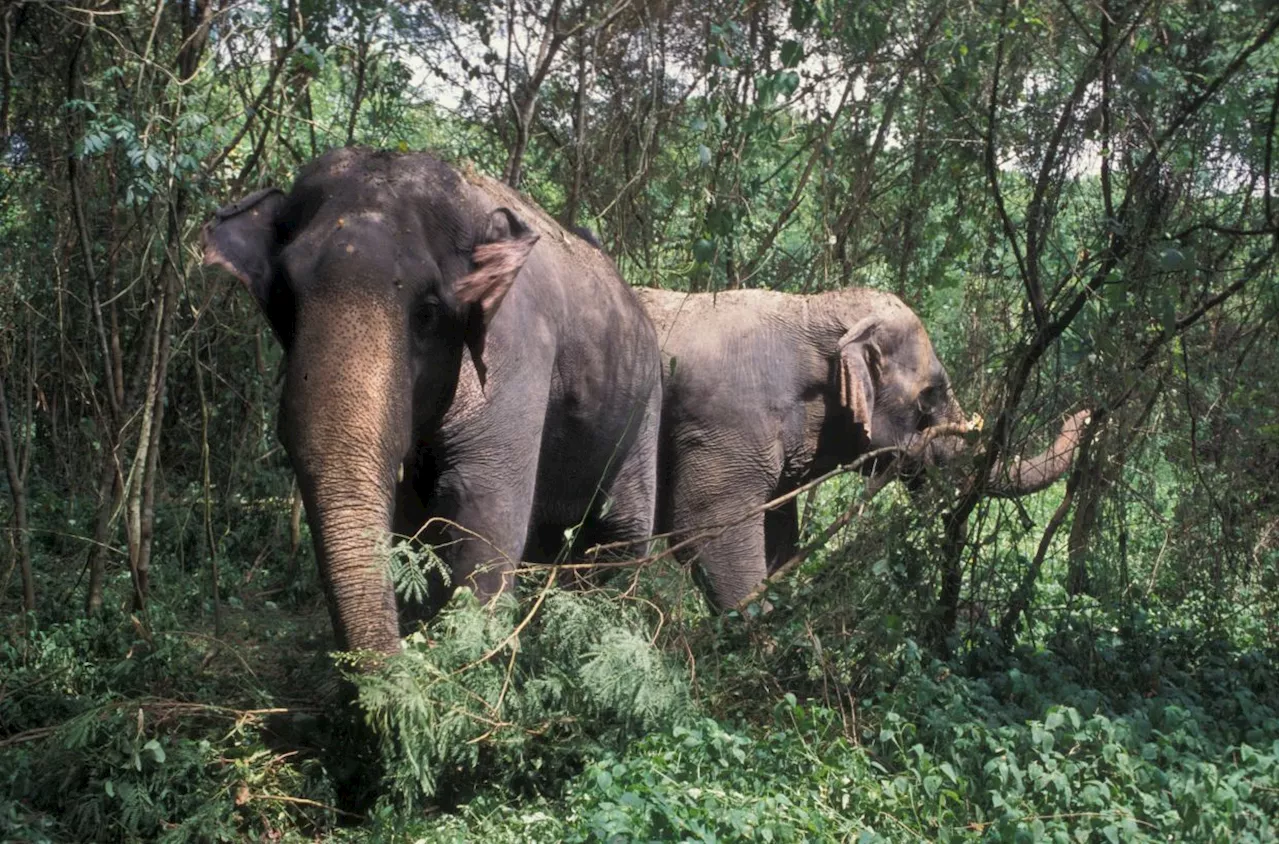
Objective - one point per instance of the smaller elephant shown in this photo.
(764, 391)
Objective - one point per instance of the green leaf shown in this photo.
(802, 14)
(788, 82)
(156, 751)
(1172, 259)
(792, 53)
(704, 250)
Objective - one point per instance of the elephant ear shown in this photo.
(241, 239)
(859, 358)
(496, 260)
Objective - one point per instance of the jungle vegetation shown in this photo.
(1077, 196)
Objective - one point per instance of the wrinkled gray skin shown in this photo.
(765, 391)
(450, 352)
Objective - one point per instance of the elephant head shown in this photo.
(377, 274)
(900, 396)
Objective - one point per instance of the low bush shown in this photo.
(109, 732)
(572, 717)
(489, 694)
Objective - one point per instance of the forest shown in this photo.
(1077, 198)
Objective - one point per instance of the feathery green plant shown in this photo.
(484, 692)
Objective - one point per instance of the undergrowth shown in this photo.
(572, 716)
(113, 732)
(1019, 751)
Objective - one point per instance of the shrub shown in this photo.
(476, 697)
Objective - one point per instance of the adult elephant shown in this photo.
(453, 358)
(765, 391)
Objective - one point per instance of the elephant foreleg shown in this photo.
(781, 534)
(730, 565)
(486, 528)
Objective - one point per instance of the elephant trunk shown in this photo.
(1011, 478)
(1032, 474)
(347, 530)
(345, 419)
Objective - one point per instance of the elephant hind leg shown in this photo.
(712, 494)
(624, 517)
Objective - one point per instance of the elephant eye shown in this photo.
(426, 312)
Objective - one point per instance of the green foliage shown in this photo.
(1026, 748)
(411, 567)
(473, 696)
(1016, 750)
(108, 738)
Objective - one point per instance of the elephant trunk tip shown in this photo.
(1032, 474)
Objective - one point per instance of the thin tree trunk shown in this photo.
(362, 58)
(6, 76)
(525, 105)
(1081, 531)
(137, 473)
(142, 514)
(211, 541)
(22, 537)
(907, 236)
(797, 193)
(579, 138)
(109, 489)
(108, 501)
(112, 488)
(146, 526)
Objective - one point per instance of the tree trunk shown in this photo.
(1006, 479)
(362, 57)
(108, 501)
(1086, 513)
(138, 471)
(574, 198)
(168, 304)
(22, 536)
(525, 103)
(211, 542)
